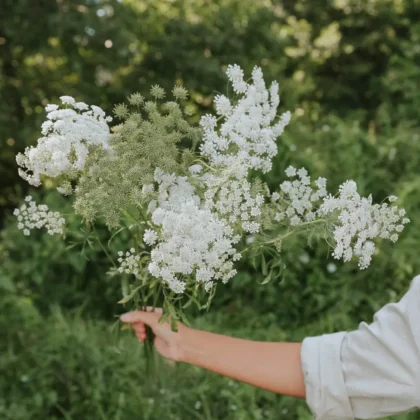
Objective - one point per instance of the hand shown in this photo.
(166, 341)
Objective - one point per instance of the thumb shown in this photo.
(149, 318)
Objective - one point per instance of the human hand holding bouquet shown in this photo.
(185, 213)
(167, 342)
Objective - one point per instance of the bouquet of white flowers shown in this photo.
(190, 196)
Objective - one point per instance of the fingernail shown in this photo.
(125, 317)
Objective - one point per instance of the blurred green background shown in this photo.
(349, 71)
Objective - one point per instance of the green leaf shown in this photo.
(184, 318)
(172, 312)
(124, 286)
(268, 278)
(128, 297)
(254, 263)
(190, 301)
(264, 265)
(187, 304)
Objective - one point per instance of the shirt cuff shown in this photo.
(326, 392)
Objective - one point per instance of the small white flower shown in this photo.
(67, 100)
(236, 76)
(275, 196)
(223, 105)
(150, 237)
(394, 237)
(81, 106)
(51, 107)
(208, 122)
(295, 220)
(290, 171)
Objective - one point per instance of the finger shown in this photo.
(141, 336)
(139, 326)
(148, 318)
(156, 310)
(140, 333)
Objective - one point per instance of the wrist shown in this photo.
(188, 345)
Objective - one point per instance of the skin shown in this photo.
(275, 367)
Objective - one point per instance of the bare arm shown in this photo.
(272, 366)
(275, 367)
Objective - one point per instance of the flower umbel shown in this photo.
(248, 131)
(352, 220)
(129, 262)
(68, 135)
(33, 216)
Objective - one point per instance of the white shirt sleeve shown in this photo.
(371, 372)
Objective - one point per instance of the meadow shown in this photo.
(348, 72)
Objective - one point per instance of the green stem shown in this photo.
(103, 248)
(149, 352)
(201, 162)
(291, 232)
(156, 296)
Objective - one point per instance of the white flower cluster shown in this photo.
(67, 134)
(189, 238)
(129, 262)
(359, 221)
(32, 216)
(247, 132)
(298, 197)
(354, 219)
(231, 198)
(195, 221)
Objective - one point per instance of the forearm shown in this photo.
(275, 367)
